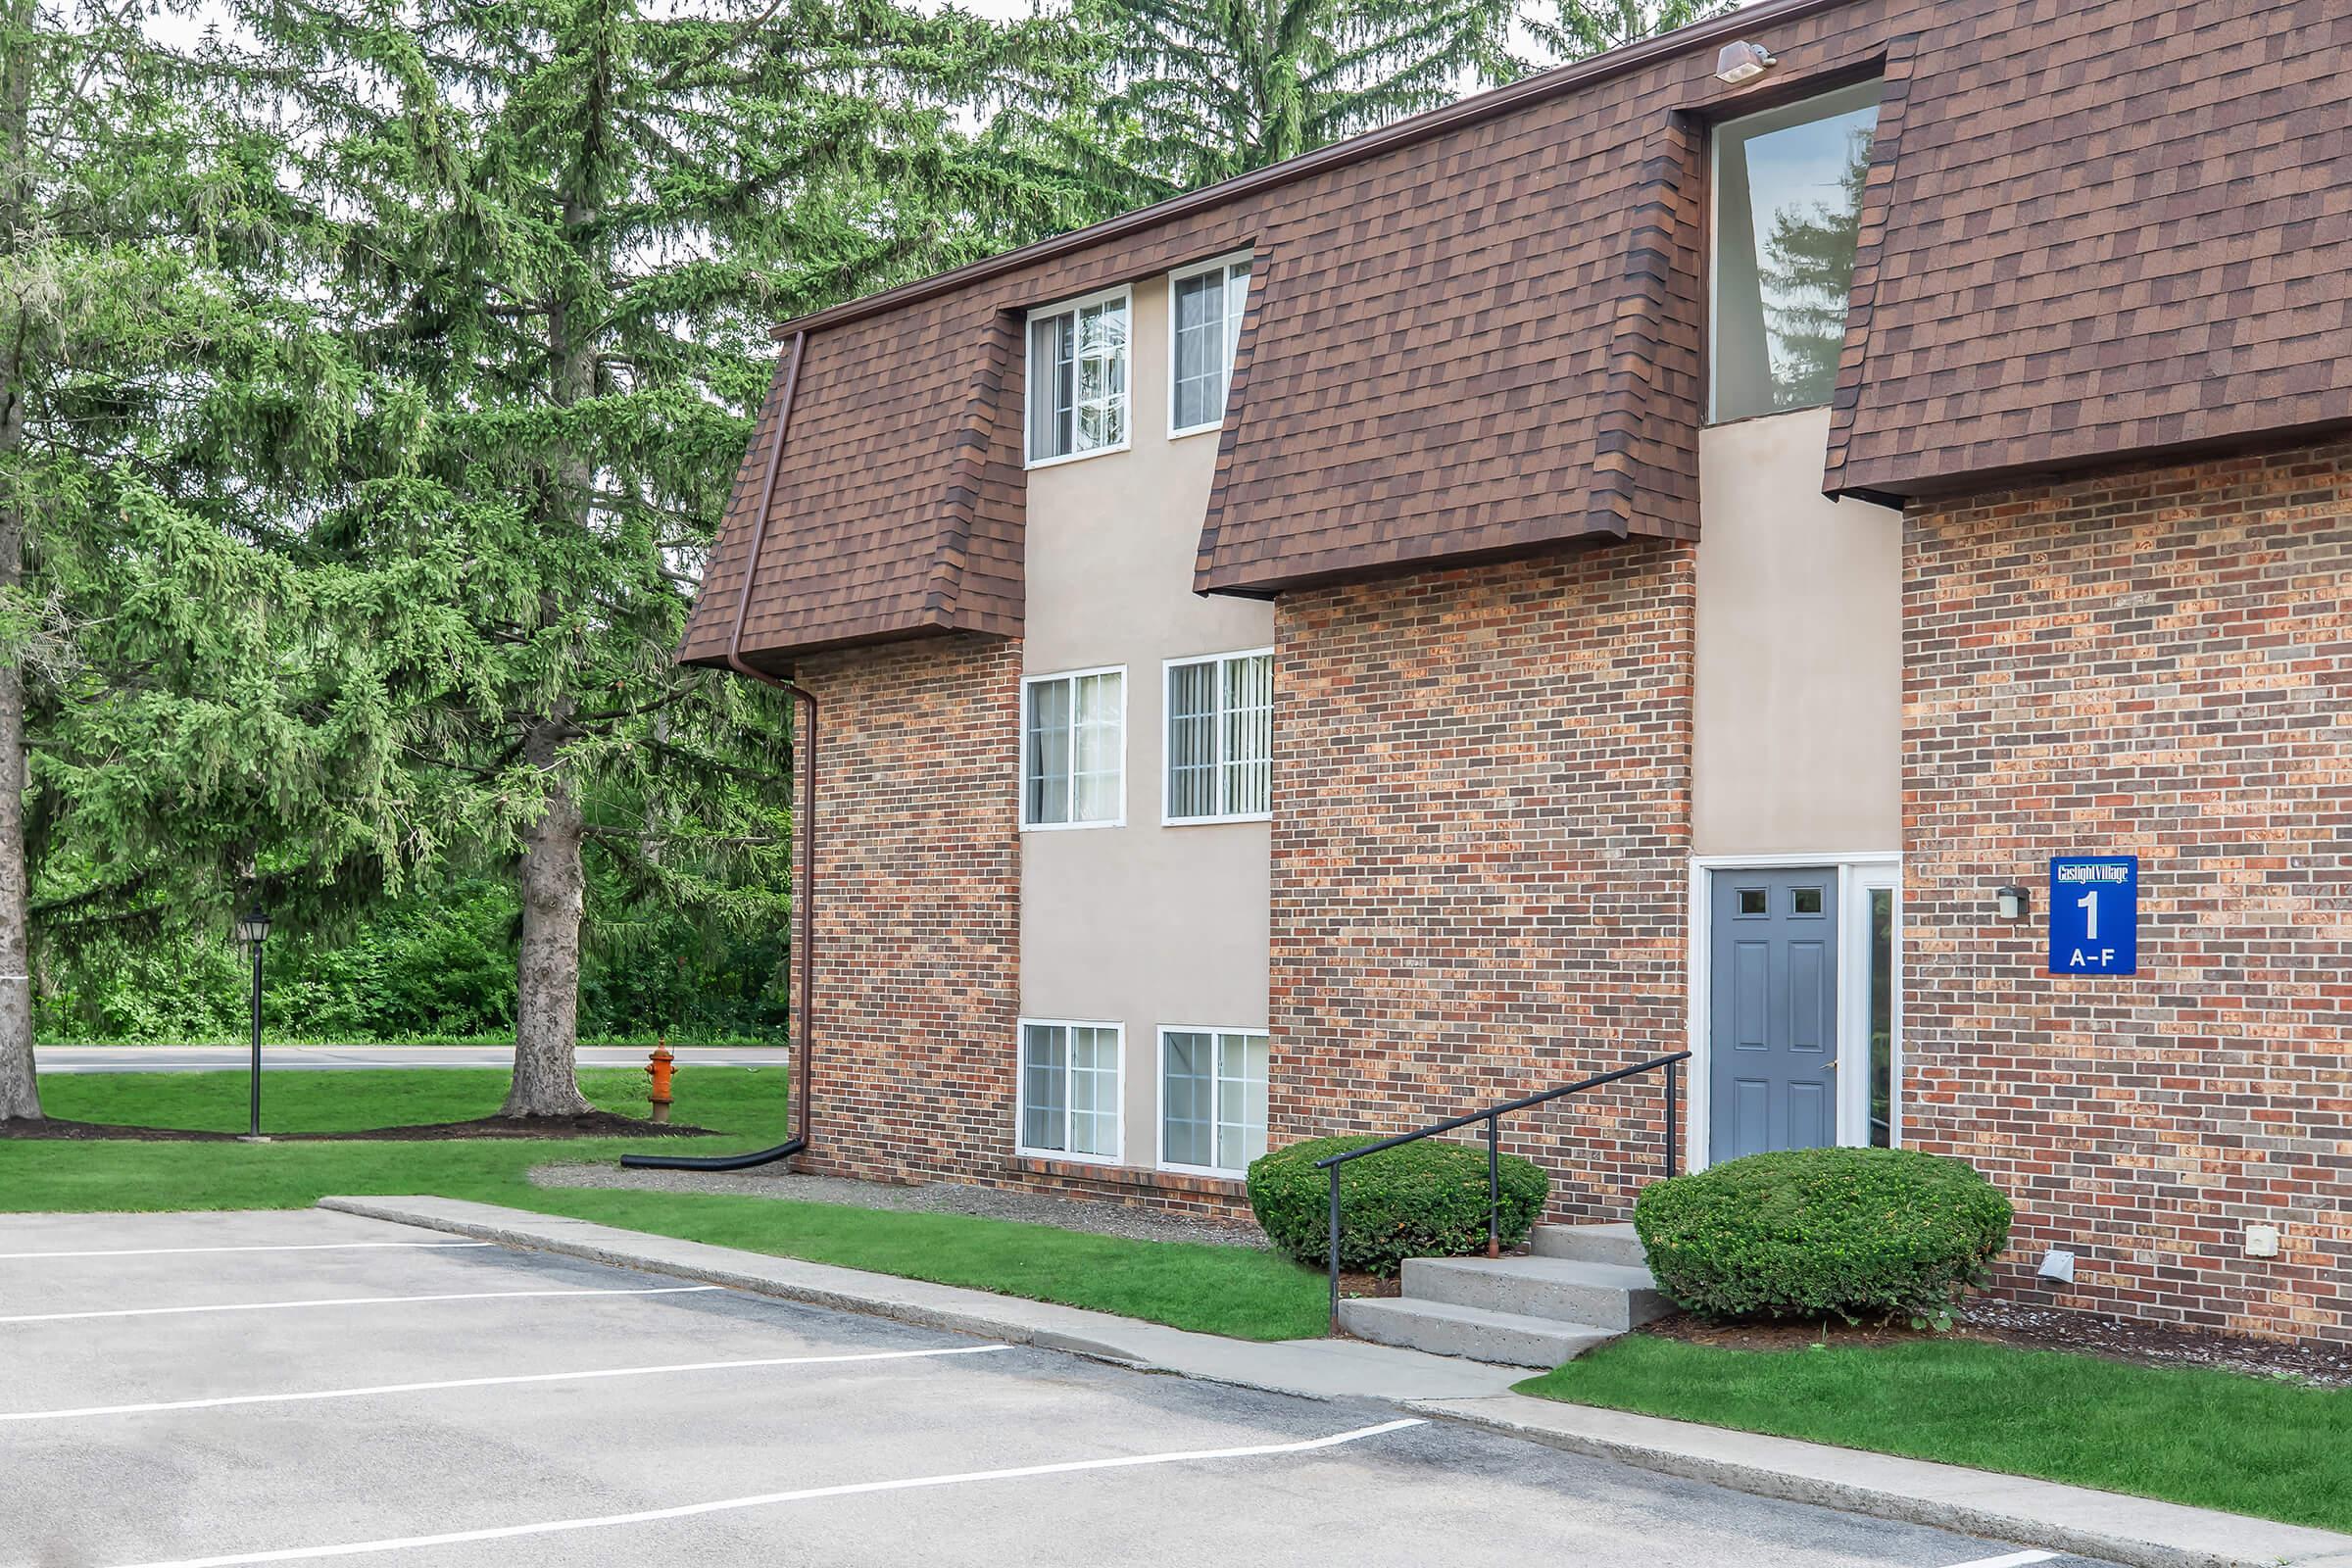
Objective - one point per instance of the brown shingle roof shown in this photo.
(2101, 229)
(2091, 227)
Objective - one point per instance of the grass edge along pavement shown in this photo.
(2273, 1447)
(1243, 1292)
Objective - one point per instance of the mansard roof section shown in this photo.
(2096, 232)
(896, 504)
(2091, 231)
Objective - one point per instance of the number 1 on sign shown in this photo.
(2090, 901)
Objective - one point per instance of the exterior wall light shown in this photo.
(1741, 62)
(2015, 902)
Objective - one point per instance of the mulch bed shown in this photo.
(595, 1124)
(2039, 1328)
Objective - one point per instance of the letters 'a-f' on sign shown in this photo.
(2094, 914)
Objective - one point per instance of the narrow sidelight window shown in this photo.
(1070, 1088)
(1882, 1017)
(1212, 1098)
(1205, 305)
(1788, 208)
(1078, 379)
(1220, 738)
(1073, 743)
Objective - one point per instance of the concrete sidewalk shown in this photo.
(2032, 1513)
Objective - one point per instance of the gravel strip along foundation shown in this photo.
(934, 1198)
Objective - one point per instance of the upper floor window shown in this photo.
(1220, 738)
(1787, 207)
(1073, 743)
(1078, 378)
(1204, 323)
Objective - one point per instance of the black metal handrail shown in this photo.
(1492, 1116)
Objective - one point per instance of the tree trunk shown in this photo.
(546, 973)
(554, 882)
(20, 1092)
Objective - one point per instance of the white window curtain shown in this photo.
(1214, 1098)
(1078, 380)
(1208, 325)
(1222, 738)
(1070, 1088)
(1073, 748)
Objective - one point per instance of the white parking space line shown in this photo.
(346, 1301)
(766, 1499)
(2016, 1559)
(256, 1247)
(492, 1382)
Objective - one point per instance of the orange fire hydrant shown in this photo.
(660, 1067)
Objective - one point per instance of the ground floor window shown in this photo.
(1212, 1098)
(1070, 1088)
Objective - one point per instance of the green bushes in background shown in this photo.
(1424, 1200)
(436, 966)
(1856, 1233)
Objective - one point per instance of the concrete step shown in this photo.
(1512, 1339)
(1564, 1289)
(1591, 1244)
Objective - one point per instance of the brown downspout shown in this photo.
(804, 828)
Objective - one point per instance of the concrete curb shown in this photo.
(2133, 1531)
(1320, 1369)
(2078, 1520)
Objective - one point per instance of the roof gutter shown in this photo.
(1417, 128)
(803, 827)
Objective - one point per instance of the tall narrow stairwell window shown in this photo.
(1078, 379)
(1220, 738)
(1788, 208)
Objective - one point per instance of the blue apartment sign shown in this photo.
(2094, 914)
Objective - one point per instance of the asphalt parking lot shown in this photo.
(217, 1389)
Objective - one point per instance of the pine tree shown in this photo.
(1574, 29)
(1199, 90)
(188, 709)
(570, 223)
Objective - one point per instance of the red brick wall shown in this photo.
(2157, 663)
(918, 908)
(1482, 796)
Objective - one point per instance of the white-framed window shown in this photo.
(1787, 192)
(1070, 1089)
(1204, 323)
(1077, 378)
(1073, 748)
(1212, 1099)
(1220, 738)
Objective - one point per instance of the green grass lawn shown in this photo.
(1218, 1290)
(2216, 1440)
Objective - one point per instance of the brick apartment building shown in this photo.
(1631, 561)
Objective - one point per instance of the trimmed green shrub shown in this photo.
(1854, 1232)
(1424, 1200)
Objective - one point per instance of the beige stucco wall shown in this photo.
(1142, 924)
(1798, 745)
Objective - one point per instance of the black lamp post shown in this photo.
(253, 929)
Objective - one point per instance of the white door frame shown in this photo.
(1858, 873)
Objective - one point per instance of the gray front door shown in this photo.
(1772, 1039)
